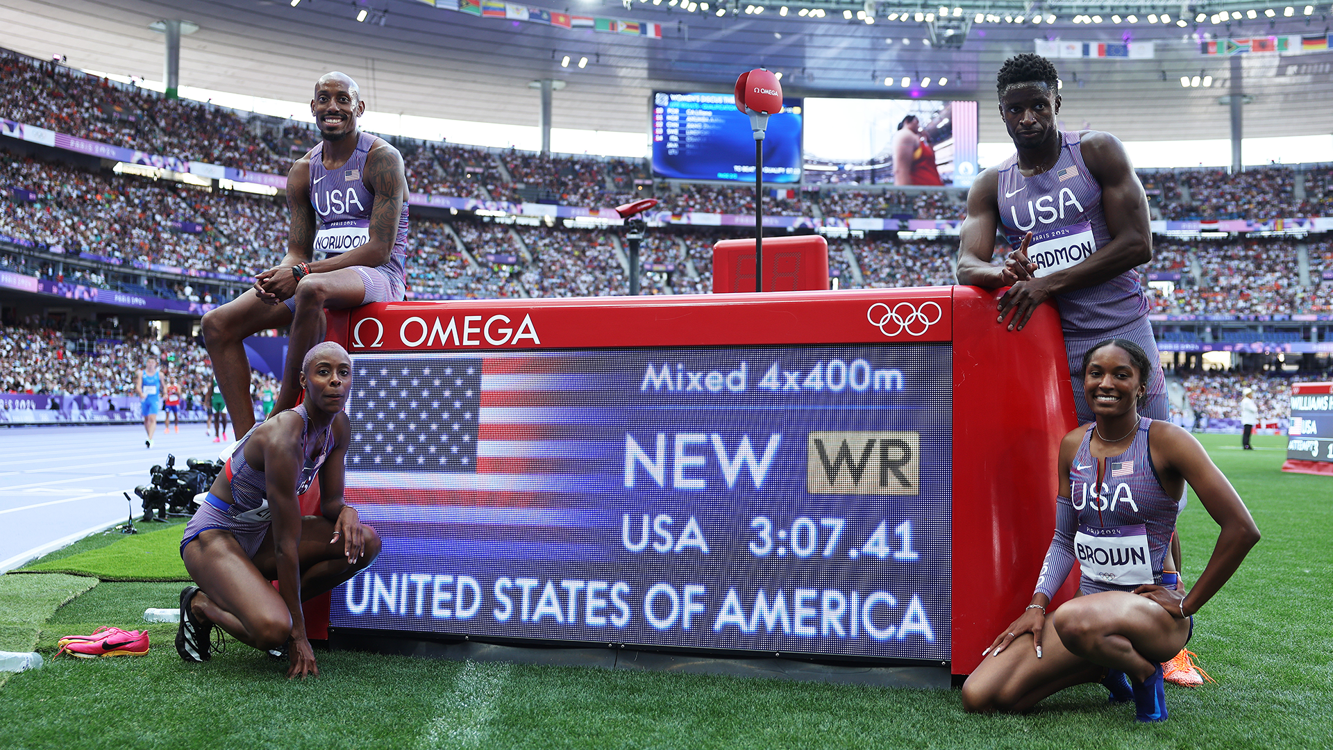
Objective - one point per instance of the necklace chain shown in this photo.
(1097, 428)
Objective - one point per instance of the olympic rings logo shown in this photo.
(904, 317)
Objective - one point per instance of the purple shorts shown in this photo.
(249, 534)
(379, 283)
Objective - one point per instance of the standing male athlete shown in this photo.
(171, 403)
(348, 199)
(1076, 215)
(148, 386)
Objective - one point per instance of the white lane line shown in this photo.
(465, 716)
(63, 481)
(57, 502)
(23, 557)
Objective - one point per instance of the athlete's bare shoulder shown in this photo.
(1072, 440)
(1101, 150)
(986, 186)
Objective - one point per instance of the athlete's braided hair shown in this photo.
(1026, 68)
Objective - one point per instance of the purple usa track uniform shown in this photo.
(1062, 207)
(247, 517)
(343, 201)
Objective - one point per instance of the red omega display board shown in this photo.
(860, 475)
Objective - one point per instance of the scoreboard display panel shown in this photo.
(1310, 433)
(743, 473)
(699, 136)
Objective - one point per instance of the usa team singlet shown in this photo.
(1062, 207)
(342, 202)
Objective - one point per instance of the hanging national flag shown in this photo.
(428, 2)
(627, 27)
(560, 19)
(492, 9)
(582, 22)
(447, 4)
(470, 6)
(516, 12)
(787, 194)
(605, 24)
(653, 30)
(1263, 44)
(1314, 43)
(539, 15)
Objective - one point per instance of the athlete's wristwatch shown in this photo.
(300, 271)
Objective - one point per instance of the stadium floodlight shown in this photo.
(1269, 13)
(1235, 15)
(888, 81)
(870, 20)
(920, 17)
(1152, 18)
(758, 9)
(1096, 19)
(847, 15)
(1194, 82)
(1185, 82)
(1018, 19)
(1309, 9)
(1250, 14)
(1181, 23)
(565, 62)
(361, 15)
(721, 12)
(907, 82)
(957, 12)
(1200, 18)
(1165, 18)
(802, 12)
(1207, 81)
(943, 81)
(1288, 11)
(295, 3)
(1115, 19)
(1132, 18)
(930, 18)
(782, 11)
(860, 15)
(583, 62)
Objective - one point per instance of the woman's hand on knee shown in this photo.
(1033, 620)
(1170, 600)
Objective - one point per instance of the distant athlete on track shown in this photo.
(348, 199)
(1119, 480)
(148, 387)
(250, 531)
(217, 413)
(171, 404)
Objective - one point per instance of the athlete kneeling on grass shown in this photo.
(1120, 478)
(251, 532)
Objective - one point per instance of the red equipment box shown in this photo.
(865, 475)
(791, 264)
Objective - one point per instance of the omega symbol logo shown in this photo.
(379, 334)
(904, 317)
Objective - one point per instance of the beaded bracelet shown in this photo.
(1035, 606)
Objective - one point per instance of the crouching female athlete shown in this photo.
(251, 532)
(1120, 479)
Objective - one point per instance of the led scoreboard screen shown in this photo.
(792, 499)
(704, 137)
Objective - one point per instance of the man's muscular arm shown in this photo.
(977, 235)
(387, 179)
(1126, 208)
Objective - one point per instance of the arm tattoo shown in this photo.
(388, 180)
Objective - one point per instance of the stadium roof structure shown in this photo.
(1129, 67)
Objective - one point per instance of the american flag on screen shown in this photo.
(504, 430)
(492, 457)
(1122, 468)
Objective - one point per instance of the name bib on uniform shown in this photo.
(340, 239)
(1117, 555)
(149, 390)
(1057, 249)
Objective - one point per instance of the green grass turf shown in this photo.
(1266, 637)
(151, 555)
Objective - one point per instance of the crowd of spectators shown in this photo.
(888, 204)
(37, 357)
(1239, 277)
(895, 263)
(1218, 394)
(131, 218)
(574, 263)
(1258, 193)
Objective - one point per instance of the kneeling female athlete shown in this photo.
(251, 532)
(1120, 479)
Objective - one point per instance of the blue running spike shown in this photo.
(1150, 698)
(1118, 683)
